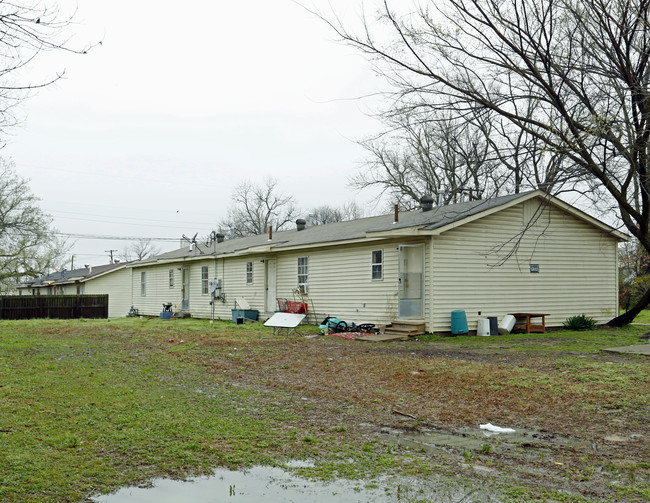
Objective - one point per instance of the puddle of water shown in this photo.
(272, 484)
(275, 485)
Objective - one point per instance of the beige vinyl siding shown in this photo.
(231, 271)
(158, 291)
(577, 264)
(117, 284)
(341, 284)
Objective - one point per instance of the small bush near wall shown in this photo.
(580, 322)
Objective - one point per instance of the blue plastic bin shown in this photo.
(245, 314)
(459, 322)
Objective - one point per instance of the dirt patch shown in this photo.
(576, 434)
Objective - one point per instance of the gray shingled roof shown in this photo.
(342, 231)
(65, 276)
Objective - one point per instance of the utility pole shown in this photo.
(110, 252)
(72, 263)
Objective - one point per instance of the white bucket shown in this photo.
(507, 324)
(483, 327)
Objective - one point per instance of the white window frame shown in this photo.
(303, 274)
(171, 278)
(143, 284)
(205, 280)
(377, 266)
(249, 273)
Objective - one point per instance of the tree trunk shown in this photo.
(629, 315)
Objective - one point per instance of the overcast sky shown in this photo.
(148, 134)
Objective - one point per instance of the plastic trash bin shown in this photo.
(494, 325)
(483, 327)
(507, 324)
(458, 322)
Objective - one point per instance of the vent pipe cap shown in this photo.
(426, 203)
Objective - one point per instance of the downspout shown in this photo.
(215, 277)
(131, 272)
(432, 288)
(616, 287)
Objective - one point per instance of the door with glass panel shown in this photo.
(185, 288)
(411, 281)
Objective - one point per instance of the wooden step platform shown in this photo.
(382, 338)
(405, 328)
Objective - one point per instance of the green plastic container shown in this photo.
(244, 314)
(458, 323)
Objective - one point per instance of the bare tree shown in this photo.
(255, 208)
(583, 63)
(440, 155)
(28, 244)
(141, 249)
(28, 29)
(326, 214)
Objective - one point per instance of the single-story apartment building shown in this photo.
(111, 279)
(527, 252)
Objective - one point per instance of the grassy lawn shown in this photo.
(643, 317)
(89, 406)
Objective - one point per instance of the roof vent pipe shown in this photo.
(301, 224)
(426, 203)
(396, 214)
(220, 237)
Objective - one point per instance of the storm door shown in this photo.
(411, 281)
(271, 289)
(185, 288)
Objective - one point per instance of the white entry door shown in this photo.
(411, 281)
(185, 288)
(271, 290)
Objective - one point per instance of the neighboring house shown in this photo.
(56, 283)
(114, 280)
(518, 253)
(111, 279)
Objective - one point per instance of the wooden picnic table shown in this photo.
(523, 322)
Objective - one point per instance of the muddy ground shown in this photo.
(576, 435)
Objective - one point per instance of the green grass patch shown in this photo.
(86, 412)
(87, 406)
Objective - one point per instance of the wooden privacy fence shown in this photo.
(23, 307)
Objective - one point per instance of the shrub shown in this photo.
(580, 322)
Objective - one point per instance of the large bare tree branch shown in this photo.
(582, 64)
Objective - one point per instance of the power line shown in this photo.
(119, 238)
(140, 178)
(125, 223)
(74, 235)
(131, 218)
